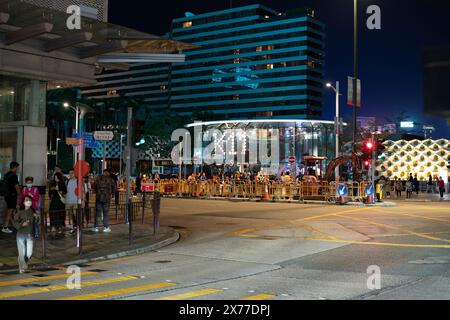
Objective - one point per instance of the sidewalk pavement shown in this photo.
(96, 246)
(421, 197)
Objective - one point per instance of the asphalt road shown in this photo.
(244, 250)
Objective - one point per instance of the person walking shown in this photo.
(23, 222)
(12, 191)
(398, 188)
(72, 199)
(441, 185)
(33, 192)
(104, 187)
(57, 209)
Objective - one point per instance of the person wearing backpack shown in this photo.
(10, 189)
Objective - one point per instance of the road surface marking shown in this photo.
(63, 287)
(415, 216)
(394, 235)
(192, 294)
(406, 245)
(421, 235)
(313, 230)
(40, 279)
(119, 292)
(110, 261)
(261, 296)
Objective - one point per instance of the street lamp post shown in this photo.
(77, 116)
(57, 147)
(120, 155)
(336, 123)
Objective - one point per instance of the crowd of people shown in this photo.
(24, 206)
(386, 187)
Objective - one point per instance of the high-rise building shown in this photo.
(251, 62)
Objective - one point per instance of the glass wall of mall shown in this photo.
(22, 124)
(296, 139)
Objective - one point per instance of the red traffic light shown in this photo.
(369, 145)
(367, 163)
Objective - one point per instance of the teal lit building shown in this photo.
(251, 62)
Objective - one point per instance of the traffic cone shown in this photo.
(341, 200)
(266, 192)
(369, 200)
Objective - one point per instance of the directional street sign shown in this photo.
(88, 140)
(342, 190)
(370, 190)
(103, 135)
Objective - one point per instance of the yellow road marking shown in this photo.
(394, 235)
(64, 287)
(191, 294)
(40, 279)
(246, 233)
(407, 245)
(106, 294)
(416, 216)
(262, 296)
(314, 230)
(421, 235)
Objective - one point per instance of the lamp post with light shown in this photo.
(336, 122)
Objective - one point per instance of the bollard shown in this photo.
(156, 209)
(144, 196)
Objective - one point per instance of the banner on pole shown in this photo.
(350, 85)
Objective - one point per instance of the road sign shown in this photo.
(350, 92)
(370, 190)
(103, 135)
(342, 190)
(85, 168)
(292, 159)
(71, 141)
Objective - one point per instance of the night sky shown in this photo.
(390, 58)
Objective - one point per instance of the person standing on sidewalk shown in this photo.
(104, 188)
(441, 185)
(398, 188)
(12, 192)
(72, 199)
(57, 209)
(23, 222)
(409, 189)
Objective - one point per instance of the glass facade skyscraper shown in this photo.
(252, 63)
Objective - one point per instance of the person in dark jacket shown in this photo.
(57, 210)
(23, 222)
(104, 188)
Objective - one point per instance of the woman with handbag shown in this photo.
(57, 210)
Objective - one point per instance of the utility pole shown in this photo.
(128, 175)
(355, 71)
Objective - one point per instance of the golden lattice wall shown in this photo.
(417, 157)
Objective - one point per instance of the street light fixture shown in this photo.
(336, 122)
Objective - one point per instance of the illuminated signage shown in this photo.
(407, 124)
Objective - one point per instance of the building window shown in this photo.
(236, 60)
(311, 64)
(259, 49)
(187, 24)
(111, 93)
(269, 66)
(162, 87)
(236, 97)
(236, 51)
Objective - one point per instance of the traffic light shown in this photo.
(367, 164)
(369, 145)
